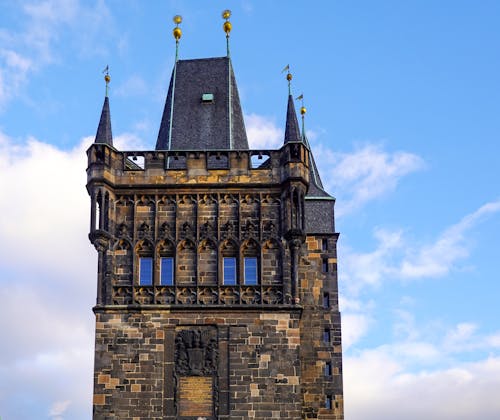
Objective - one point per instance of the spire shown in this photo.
(226, 14)
(292, 132)
(104, 135)
(316, 189)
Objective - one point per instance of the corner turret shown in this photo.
(104, 134)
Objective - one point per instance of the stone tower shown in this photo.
(217, 287)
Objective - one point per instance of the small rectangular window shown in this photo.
(167, 271)
(229, 271)
(328, 402)
(328, 369)
(325, 265)
(326, 336)
(324, 244)
(251, 276)
(326, 300)
(145, 271)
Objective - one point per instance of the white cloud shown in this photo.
(47, 280)
(363, 175)
(32, 44)
(377, 385)
(438, 258)
(397, 257)
(58, 408)
(263, 132)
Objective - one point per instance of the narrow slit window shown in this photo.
(325, 265)
(145, 271)
(327, 336)
(229, 268)
(167, 271)
(251, 277)
(326, 300)
(324, 244)
(328, 402)
(328, 369)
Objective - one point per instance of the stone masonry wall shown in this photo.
(321, 350)
(258, 363)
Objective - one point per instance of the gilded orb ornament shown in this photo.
(289, 76)
(303, 110)
(226, 14)
(107, 78)
(177, 32)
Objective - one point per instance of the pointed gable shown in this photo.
(104, 134)
(202, 110)
(292, 132)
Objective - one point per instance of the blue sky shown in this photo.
(403, 104)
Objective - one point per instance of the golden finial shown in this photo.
(177, 31)
(303, 111)
(288, 77)
(177, 34)
(107, 78)
(226, 14)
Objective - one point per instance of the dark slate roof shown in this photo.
(292, 131)
(316, 188)
(104, 134)
(188, 123)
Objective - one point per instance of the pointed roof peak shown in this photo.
(292, 132)
(202, 110)
(104, 135)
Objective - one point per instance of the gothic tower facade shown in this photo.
(217, 290)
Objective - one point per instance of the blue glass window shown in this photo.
(251, 276)
(328, 369)
(326, 335)
(167, 271)
(328, 402)
(145, 271)
(229, 271)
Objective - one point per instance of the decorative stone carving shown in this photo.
(186, 295)
(144, 231)
(249, 230)
(196, 352)
(186, 231)
(122, 295)
(207, 295)
(228, 229)
(250, 295)
(165, 295)
(207, 230)
(122, 231)
(272, 295)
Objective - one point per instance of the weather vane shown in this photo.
(288, 77)
(303, 111)
(226, 14)
(177, 34)
(107, 78)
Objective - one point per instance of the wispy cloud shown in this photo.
(262, 132)
(363, 175)
(397, 258)
(32, 46)
(438, 258)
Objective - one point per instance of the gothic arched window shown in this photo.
(166, 260)
(229, 252)
(251, 265)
